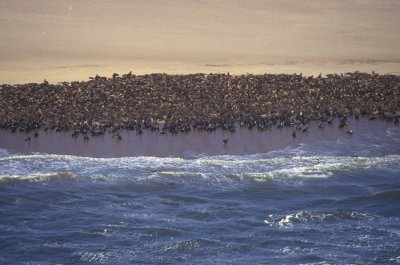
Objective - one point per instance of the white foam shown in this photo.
(38, 177)
(259, 167)
(292, 219)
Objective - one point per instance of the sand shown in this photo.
(72, 40)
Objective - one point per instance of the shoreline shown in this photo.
(179, 115)
(56, 72)
(242, 142)
(181, 103)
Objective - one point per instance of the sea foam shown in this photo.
(260, 167)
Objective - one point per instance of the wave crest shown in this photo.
(316, 217)
(260, 167)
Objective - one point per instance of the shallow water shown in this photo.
(327, 201)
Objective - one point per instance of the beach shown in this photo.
(72, 40)
(199, 132)
(164, 115)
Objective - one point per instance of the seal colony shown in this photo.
(206, 102)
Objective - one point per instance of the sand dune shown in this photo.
(69, 40)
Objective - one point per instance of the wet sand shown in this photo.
(243, 141)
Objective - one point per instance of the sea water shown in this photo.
(323, 202)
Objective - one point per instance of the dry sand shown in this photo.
(68, 40)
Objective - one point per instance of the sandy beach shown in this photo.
(72, 40)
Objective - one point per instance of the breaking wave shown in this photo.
(303, 218)
(259, 167)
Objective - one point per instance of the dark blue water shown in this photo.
(335, 202)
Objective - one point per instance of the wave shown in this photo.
(192, 244)
(317, 217)
(259, 167)
(36, 177)
(388, 195)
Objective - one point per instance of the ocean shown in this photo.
(334, 201)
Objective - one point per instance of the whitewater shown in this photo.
(323, 202)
